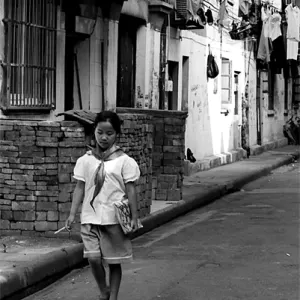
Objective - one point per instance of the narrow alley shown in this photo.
(243, 246)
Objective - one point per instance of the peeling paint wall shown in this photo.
(147, 68)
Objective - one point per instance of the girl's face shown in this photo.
(105, 135)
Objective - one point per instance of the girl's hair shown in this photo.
(111, 117)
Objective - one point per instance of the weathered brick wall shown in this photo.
(137, 141)
(168, 156)
(168, 152)
(36, 166)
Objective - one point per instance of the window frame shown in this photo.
(230, 78)
(29, 64)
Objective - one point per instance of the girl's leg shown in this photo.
(115, 275)
(99, 275)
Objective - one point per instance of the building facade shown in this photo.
(147, 60)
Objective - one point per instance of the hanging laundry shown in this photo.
(274, 26)
(265, 45)
(209, 17)
(201, 14)
(244, 6)
(293, 31)
(278, 56)
(223, 18)
(192, 9)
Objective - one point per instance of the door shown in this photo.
(185, 83)
(173, 76)
(126, 63)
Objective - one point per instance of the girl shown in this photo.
(105, 174)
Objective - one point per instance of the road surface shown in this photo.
(243, 246)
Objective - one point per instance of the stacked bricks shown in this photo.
(168, 138)
(168, 155)
(37, 161)
(36, 166)
(137, 141)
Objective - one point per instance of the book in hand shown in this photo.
(123, 214)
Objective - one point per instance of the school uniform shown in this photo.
(101, 233)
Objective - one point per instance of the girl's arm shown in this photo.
(131, 194)
(78, 196)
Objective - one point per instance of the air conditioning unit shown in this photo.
(185, 16)
(181, 10)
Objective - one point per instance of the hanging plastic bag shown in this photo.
(212, 67)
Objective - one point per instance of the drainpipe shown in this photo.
(102, 75)
(163, 65)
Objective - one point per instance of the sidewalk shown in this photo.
(30, 263)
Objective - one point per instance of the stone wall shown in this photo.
(136, 139)
(36, 166)
(168, 156)
(168, 152)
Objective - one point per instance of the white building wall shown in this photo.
(208, 132)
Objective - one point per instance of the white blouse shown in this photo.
(275, 30)
(119, 171)
(293, 20)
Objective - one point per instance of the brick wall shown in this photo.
(168, 151)
(168, 156)
(136, 140)
(36, 166)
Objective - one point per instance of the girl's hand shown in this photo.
(134, 225)
(69, 222)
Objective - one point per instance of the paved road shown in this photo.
(244, 246)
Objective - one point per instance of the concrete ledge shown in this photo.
(213, 161)
(14, 284)
(22, 281)
(258, 149)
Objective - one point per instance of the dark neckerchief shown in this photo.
(99, 174)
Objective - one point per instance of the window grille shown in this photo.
(30, 54)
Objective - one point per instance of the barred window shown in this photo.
(30, 54)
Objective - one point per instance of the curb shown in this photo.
(214, 161)
(26, 280)
(23, 281)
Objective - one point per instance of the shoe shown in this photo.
(201, 14)
(190, 155)
(209, 17)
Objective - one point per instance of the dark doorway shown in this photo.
(185, 83)
(173, 76)
(71, 11)
(258, 108)
(126, 61)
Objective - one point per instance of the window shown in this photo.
(236, 92)
(226, 81)
(30, 50)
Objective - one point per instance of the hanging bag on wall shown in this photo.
(212, 67)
